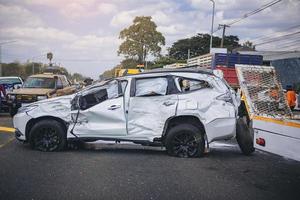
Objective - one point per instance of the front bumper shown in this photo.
(19, 135)
(20, 121)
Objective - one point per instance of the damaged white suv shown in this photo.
(182, 110)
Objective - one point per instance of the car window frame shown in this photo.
(191, 79)
(171, 87)
(101, 87)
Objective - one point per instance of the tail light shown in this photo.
(261, 141)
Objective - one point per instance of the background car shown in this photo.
(39, 87)
(8, 84)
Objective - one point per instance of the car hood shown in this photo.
(57, 107)
(32, 91)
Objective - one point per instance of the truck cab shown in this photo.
(38, 87)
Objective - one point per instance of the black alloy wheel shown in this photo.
(47, 139)
(48, 135)
(185, 141)
(184, 145)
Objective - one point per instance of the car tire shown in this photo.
(48, 135)
(185, 140)
(244, 137)
(12, 111)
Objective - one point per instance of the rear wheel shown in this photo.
(244, 137)
(48, 135)
(185, 141)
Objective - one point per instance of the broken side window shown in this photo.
(151, 87)
(185, 84)
(99, 94)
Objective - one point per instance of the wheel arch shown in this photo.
(183, 119)
(33, 121)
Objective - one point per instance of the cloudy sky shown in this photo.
(83, 34)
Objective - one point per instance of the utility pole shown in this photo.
(189, 52)
(212, 24)
(33, 67)
(224, 26)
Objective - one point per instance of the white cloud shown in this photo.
(94, 35)
(107, 8)
(122, 19)
(18, 16)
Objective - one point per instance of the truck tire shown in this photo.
(12, 111)
(48, 135)
(185, 140)
(244, 137)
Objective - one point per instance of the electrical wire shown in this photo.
(263, 7)
(277, 33)
(255, 11)
(276, 39)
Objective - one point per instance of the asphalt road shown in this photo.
(136, 172)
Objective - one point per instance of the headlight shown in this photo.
(27, 108)
(11, 96)
(41, 98)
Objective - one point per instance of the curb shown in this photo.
(7, 129)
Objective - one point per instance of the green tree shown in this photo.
(165, 60)
(199, 45)
(77, 77)
(249, 45)
(141, 39)
(129, 63)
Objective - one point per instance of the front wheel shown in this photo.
(48, 135)
(185, 141)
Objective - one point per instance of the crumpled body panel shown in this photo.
(147, 115)
(57, 107)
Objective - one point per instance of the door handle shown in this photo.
(114, 107)
(168, 103)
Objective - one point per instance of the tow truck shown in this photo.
(275, 128)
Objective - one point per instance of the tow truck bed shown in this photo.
(276, 128)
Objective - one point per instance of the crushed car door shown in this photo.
(101, 112)
(152, 101)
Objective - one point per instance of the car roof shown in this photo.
(177, 70)
(45, 75)
(6, 77)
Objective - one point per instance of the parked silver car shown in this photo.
(182, 110)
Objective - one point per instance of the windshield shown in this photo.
(39, 82)
(10, 81)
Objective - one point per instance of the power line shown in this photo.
(288, 43)
(275, 33)
(276, 39)
(255, 11)
(263, 7)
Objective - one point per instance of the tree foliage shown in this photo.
(141, 39)
(199, 45)
(249, 45)
(129, 63)
(24, 70)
